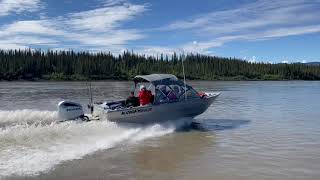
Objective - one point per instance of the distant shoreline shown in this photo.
(130, 79)
(82, 66)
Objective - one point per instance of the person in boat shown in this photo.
(145, 96)
(132, 101)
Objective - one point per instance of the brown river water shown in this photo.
(254, 130)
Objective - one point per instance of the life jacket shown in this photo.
(145, 97)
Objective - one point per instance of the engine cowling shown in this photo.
(68, 110)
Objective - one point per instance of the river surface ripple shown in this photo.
(254, 130)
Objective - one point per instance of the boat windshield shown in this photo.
(169, 92)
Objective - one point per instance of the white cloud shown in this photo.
(102, 28)
(103, 19)
(190, 47)
(285, 61)
(112, 2)
(23, 34)
(40, 27)
(200, 47)
(156, 50)
(9, 46)
(169, 50)
(97, 29)
(290, 31)
(18, 6)
(259, 20)
(259, 14)
(204, 46)
(252, 59)
(118, 37)
(23, 42)
(31, 40)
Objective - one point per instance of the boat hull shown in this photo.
(160, 112)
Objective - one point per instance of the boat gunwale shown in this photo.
(209, 96)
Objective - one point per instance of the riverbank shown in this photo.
(76, 77)
(75, 66)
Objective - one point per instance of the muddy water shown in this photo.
(255, 130)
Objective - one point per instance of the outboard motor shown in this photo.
(68, 110)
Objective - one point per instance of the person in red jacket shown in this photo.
(145, 96)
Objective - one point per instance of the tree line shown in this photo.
(70, 65)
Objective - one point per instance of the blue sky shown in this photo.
(255, 30)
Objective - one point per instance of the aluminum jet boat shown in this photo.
(173, 99)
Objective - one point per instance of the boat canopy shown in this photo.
(157, 79)
(167, 87)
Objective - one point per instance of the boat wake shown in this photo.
(26, 116)
(32, 141)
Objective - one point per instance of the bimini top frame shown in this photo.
(167, 87)
(156, 79)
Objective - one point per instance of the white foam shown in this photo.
(28, 149)
(26, 116)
